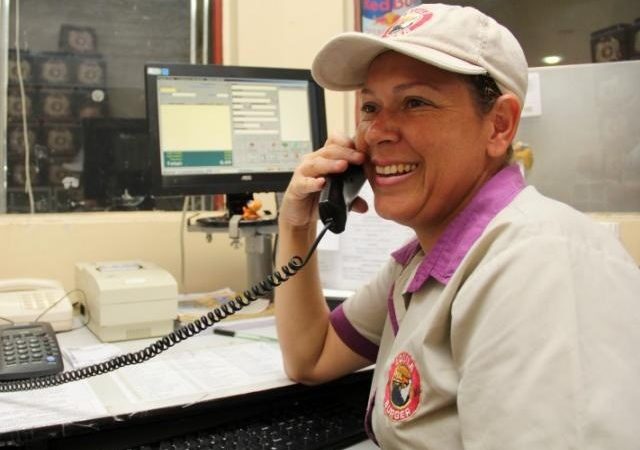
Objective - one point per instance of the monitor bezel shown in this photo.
(237, 183)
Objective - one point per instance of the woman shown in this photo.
(489, 330)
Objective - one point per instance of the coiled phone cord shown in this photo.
(164, 343)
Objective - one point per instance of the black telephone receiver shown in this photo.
(338, 194)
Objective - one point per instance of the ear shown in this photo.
(505, 116)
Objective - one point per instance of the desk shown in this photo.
(181, 386)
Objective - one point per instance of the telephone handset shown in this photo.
(28, 284)
(338, 194)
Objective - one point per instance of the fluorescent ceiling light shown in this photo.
(552, 59)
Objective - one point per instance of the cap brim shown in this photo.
(342, 64)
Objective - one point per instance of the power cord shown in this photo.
(53, 305)
(183, 219)
(25, 129)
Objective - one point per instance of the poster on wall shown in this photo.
(378, 15)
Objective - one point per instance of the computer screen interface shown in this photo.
(230, 130)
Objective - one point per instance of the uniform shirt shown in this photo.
(519, 330)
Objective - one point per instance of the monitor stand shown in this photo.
(257, 234)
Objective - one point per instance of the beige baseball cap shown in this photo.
(454, 38)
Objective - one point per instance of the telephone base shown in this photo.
(25, 306)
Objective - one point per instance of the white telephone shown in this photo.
(24, 299)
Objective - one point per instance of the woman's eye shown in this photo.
(368, 108)
(416, 103)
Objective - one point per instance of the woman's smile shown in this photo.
(391, 174)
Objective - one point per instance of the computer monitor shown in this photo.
(116, 166)
(230, 130)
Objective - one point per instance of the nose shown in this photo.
(382, 129)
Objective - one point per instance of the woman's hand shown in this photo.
(299, 205)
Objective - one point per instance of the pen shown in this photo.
(233, 333)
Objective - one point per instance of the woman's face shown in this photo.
(425, 142)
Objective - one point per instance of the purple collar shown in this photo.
(464, 229)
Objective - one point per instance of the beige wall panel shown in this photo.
(628, 229)
(48, 246)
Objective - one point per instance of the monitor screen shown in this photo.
(230, 130)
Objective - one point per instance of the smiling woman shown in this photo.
(451, 321)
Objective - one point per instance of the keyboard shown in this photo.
(321, 418)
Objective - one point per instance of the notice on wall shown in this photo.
(352, 258)
(532, 102)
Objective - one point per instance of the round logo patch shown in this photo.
(409, 21)
(402, 393)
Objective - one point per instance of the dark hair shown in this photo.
(485, 92)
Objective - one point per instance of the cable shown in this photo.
(186, 331)
(66, 294)
(25, 130)
(84, 311)
(86, 320)
(274, 250)
(185, 207)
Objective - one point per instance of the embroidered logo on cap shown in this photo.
(409, 22)
(402, 393)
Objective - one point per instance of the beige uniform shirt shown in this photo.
(521, 330)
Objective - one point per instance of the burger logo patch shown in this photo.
(402, 393)
(409, 22)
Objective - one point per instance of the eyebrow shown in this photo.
(404, 87)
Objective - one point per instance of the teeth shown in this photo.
(395, 169)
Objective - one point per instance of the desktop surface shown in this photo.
(202, 392)
(330, 416)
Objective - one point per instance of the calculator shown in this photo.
(28, 350)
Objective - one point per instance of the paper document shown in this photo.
(191, 308)
(63, 404)
(216, 371)
(93, 354)
(364, 247)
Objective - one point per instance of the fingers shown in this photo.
(301, 197)
(340, 139)
(340, 146)
(337, 153)
(301, 186)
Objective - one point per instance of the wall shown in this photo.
(48, 246)
(586, 140)
(626, 226)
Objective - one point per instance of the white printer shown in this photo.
(128, 299)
